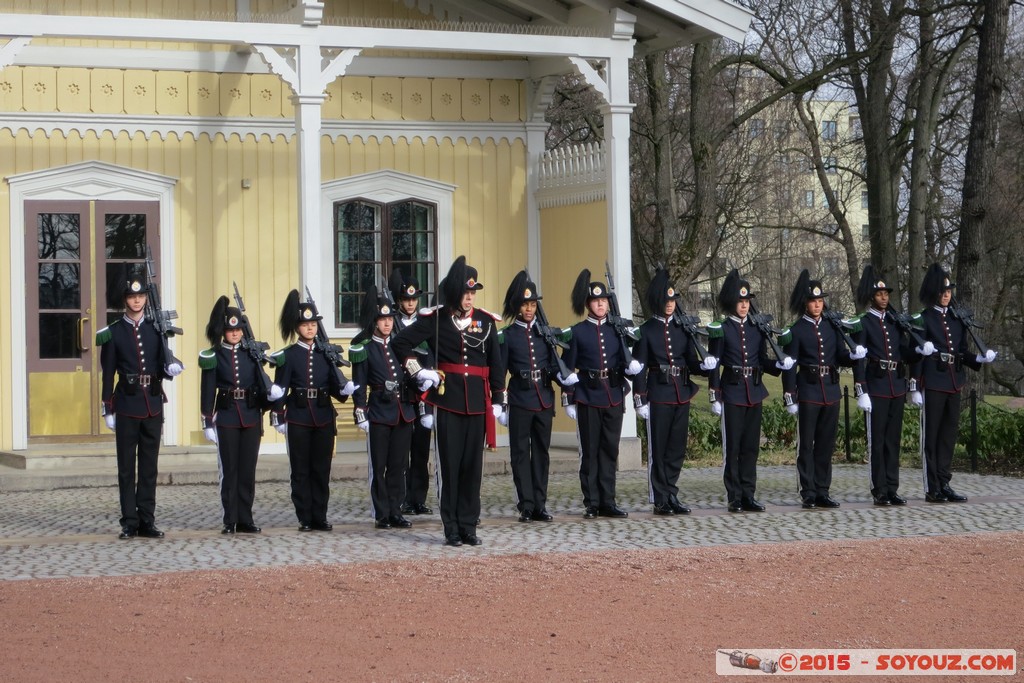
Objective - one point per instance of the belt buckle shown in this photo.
(238, 394)
(747, 371)
(673, 371)
(312, 393)
(824, 370)
(144, 380)
(535, 375)
(391, 385)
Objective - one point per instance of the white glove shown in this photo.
(634, 367)
(858, 352)
(496, 410)
(275, 392)
(644, 411)
(428, 379)
(986, 357)
(503, 418)
(427, 421)
(573, 378)
(282, 428)
(709, 363)
(570, 410)
(364, 425)
(175, 369)
(793, 408)
(926, 349)
(786, 363)
(349, 388)
(716, 408)
(211, 434)
(864, 403)
(916, 399)
(111, 421)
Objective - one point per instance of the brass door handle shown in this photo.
(81, 334)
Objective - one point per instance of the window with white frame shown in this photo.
(828, 130)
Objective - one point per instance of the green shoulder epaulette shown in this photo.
(566, 335)
(853, 324)
(104, 335)
(714, 329)
(786, 335)
(208, 359)
(357, 353)
(277, 357)
(501, 335)
(918, 320)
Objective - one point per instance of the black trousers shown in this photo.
(388, 448)
(138, 445)
(529, 441)
(599, 430)
(310, 451)
(237, 451)
(884, 429)
(816, 443)
(460, 464)
(741, 444)
(940, 425)
(667, 433)
(417, 476)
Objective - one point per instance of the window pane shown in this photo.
(125, 235)
(59, 286)
(58, 236)
(357, 246)
(58, 335)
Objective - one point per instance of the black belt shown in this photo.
(141, 380)
(886, 364)
(948, 358)
(312, 392)
(539, 376)
(237, 394)
(744, 370)
(670, 370)
(818, 369)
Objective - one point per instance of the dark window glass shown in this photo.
(58, 335)
(59, 286)
(125, 235)
(58, 236)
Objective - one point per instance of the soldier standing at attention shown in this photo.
(812, 388)
(941, 377)
(388, 414)
(406, 292)
(532, 367)
(737, 392)
(662, 392)
(131, 348)
(467, 384)
(232, 400)
(305, 414)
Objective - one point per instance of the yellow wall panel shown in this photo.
(476, 98)
(331, 108)
(234, 95)
(265, 91)
(73, 90)
(11, 88)
(39, 88)
(140, 92)
(416, 99)
(356, 98)
(579, 235)
(172, 93)
(446, 99)
(504, 103)
(203, 94)
(106, 91)
(387, 99)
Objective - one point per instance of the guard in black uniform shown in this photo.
(388, 414)
(532, 367)
(941, 377)
(305, 414)
(662, 392)
(881, 384)
(232, 400)
(595, 393)
(467, 383)
(737, 390)
(131, 348)
(812, 388)
(406, 292)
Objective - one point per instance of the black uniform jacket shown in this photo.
(595, 354)
(230, 387)
(309, 381)
(737, 379)
(944, 370)
(883, 373)
(818, 351)
(531, 367)
(384, 391)
(136, 354)
(468, 355)
(669, 357)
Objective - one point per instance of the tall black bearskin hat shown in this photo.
(870, 284)
(222, 318)
(805, 290)
(403, 286)
(295, 312)
(375, 306)
(935, 282)
(460, 279)
(733, 289)
(584, 290)
(520, 290)
(122, 280)
(659, 292)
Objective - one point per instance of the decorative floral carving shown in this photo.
(172, 91)
(235, 93)
(386, 97)
(204, 93)
(266, 94)
(107, 89)
(73, 88)
(505, 100)
(416, 98)
(446, 98)
(140, 90)
(357, 96)
(6, 87)
(476, 99)
(39, 87)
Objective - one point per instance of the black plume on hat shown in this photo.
(215, 328)
(460, 279)
(403, 286)
(805, 290)
(124, 279)
(733, 289)
(869, 284)
(659, 292)
(374, 306)
(580, 291)
(935, 282)
(520, 290)
(289, 315)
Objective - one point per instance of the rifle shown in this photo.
(160, 318)
(836, 319)
(550, 336)
(257, 349)
(623, 328)
(332, 352)
(763, 322)
(966, 316)
(906, 325)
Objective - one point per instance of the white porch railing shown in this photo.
(572, 175)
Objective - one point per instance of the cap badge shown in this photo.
(471, 283)
(527, 293)
(744, 291)
(385, 310)
(136, 286)
(816, 291)
(671, 291)
(880, 284)
(410, 290)
(945, 282)
(307, 314)
(596, 291)
(233, 321)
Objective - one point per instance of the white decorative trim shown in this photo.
(10, 51)
(572, 175)
(87, 180)
(381, 186)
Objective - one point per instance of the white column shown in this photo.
(307, 129)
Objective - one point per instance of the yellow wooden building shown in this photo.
(285, 144)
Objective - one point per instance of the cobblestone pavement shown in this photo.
(72, 532)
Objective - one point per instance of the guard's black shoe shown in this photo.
(663, 510)
(408, 509)
(453, 540)
(935, 497)
(952, 496)
(305, 527)
(735, 506)
(322, 526)
(751, 505)
(895, 499)
(808, 504)
(244, 528)
(881, 501)
(382, 524)
(150, 531)
(128, 532)
(471, 539)
(612, 511)
(526, 516)
(228, 529)
(422, 509)
(826, 501)
(679, 508)
(542, 516)
(399, 522)
(590, 512)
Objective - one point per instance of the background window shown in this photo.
(828, 130)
